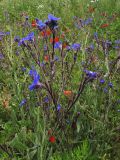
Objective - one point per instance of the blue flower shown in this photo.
(117, 47)
(91, 74)
(106, 44)
(105, 90)
(96, 35)
(41, 25)
(29, 37)
(7, 33)
(110, 84)
(23, 69)
(17, 39)
(52, 21)
(46, 99)
(33, 73)
(80, 23)
(68, 48)
(88, 21)
(42, 64)
(1, 56)
(35, 84)
(117, 42)
(2, 34)
(51, 17)
(58, 45)
(56, 58)
(102, 81)
(58, 107)
(23, 102)
(90, 48)
(76, 46)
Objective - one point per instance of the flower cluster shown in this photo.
(36, 83)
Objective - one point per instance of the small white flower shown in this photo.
(94, 1)
(40, 6)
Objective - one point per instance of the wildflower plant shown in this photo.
(51, 75)
(65, 85)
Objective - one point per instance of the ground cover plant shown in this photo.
(59, 80)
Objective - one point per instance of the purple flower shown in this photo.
(106, 44)
(80, 23)
(51, 17)
(117, 41)
(88, 21)
(29, 37)
(17, 39)
(91, 74)
(58, 107)
(7, 33)
(23, 69)
(45, 48)
(52, 21)
(42, 64)
(58, 45)
(41, 25)
(76, 46)
(2, 34)
(117, 47)
(105, 90)
(68, 48)
(96, 35)
(110, 84)
(56, 58)
(33, 73)
(46, 99)
(22, 102)
(90, 48)
(1, 56)
(102, 81)
(35, 84)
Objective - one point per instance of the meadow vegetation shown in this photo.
(59, 80)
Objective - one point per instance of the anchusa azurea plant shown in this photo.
(66, 86)
(52, 75)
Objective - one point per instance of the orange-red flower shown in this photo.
(56, 39)
(34, 23)
(46, 58)
(104, 25)
(46, 33)
(52, 139)
(67, 93)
